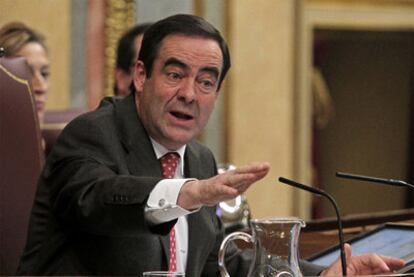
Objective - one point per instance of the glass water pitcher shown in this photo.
(275, 243)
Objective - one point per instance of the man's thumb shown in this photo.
(348, 252)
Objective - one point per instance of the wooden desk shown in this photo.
(311, 243)
(321, 234)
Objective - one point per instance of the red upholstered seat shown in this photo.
(21, 159)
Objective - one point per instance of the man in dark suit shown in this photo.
(106, 206)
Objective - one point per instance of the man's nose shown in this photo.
(187, 91)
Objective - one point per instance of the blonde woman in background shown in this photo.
(19, 40)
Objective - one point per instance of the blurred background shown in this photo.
(316, 86)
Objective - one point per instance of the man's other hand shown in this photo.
(369, 264)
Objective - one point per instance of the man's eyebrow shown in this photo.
(212, 70)
(208, 69)
(176, 62)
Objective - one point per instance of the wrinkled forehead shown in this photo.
(194, 50)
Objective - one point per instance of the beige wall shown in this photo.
(260, 97)
(52, 18)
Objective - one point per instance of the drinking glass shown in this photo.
(163, 273)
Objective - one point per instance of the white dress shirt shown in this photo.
(162, 205)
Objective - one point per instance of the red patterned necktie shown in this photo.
(169, 164)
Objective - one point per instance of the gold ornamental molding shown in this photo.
(365, 2)
(361, 14)
(119, 17)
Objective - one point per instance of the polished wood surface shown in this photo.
(360, 220)
(322, 234)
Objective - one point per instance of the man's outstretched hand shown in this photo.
(222, 187)
(369, 264)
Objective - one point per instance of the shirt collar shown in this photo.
(160, 151)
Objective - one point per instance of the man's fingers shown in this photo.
(364, 264)
(218, 193)
(245, 175)
(230, 184)
(255, 167)
(238, 178)
(348, 252)
(393, 263)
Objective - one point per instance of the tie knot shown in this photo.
(169, 163)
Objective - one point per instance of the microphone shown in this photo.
(320, 192)
(382, 181)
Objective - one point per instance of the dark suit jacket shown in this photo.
(88, 215)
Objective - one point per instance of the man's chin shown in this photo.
(179, 139)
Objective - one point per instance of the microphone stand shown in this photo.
(338, 217)
(382, 181)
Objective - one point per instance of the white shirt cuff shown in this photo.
(162, 202)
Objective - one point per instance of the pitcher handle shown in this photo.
(223, 246)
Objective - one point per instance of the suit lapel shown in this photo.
(192, 162)
(197, 222)
(140, 154)
(139, 151)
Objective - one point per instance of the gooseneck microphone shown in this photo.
(382, 181)
(320, 192)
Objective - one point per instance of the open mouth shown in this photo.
(182, 116)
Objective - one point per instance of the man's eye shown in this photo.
(207, 84)
(174, 76)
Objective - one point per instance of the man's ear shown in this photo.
(139, 76)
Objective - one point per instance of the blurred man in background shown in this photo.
(126, 55)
